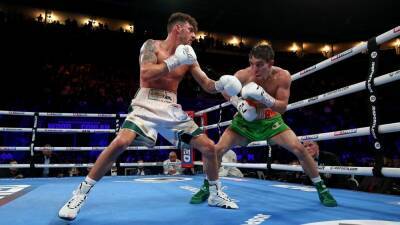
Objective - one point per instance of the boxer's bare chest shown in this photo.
(176, 74)
(269, 83)
(169, 81)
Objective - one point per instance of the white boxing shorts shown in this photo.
(154, 110)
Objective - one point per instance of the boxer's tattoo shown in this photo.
(147, 52)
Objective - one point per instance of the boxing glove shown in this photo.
(248, 112)
(184, 55)
(255, 92)
(228, 84)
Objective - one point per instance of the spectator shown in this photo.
(114, 171)
(228, 171)
(12, 172)
(324, 158)
(40, 18)
(74, 172)
(172, 166)
(48, 157)
(141, 170)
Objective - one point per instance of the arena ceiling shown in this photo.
(307, 20)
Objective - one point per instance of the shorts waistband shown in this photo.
(266, 114)
(156, 95)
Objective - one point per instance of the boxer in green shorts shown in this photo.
(264, 97)
(259, 130)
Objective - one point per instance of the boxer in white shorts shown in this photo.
(155, 110)
(163, 64)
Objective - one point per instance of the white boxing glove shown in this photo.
(256, 92)
(228, 84)
(248, 112)
(184, 55)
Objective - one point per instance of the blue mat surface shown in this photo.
(165, 200)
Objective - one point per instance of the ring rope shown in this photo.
(384, 79)
(339, 134)
(341, 170)
(70, 165)
(344, 170)
(347, 54)
(328, 62)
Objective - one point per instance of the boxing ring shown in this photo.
(165, 200)
(126, 200)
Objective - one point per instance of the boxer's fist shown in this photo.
(255, 92)
(184, 55)
(248, 112)
(228, 84)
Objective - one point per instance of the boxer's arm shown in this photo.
(149, 68)
(282, 93)
(202, 79)
(227, 84)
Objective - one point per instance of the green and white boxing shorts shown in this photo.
(154, 110)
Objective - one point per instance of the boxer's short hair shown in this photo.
(262, 52)
(181, 18)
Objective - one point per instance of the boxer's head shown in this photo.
(184, 26)
(261, 59)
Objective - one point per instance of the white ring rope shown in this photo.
(100, 148)
(52, 130)
(91, 148)
(14, 148)
(16, 113)
(149, 164)
(356, 132)
(342, 170)
(70, 165)
(347, 54)
(199, 113)
(52, 114)
(328, 62)
(14, 166)
(384, 79)
(15, 129)
(339, 134)
(47, 130)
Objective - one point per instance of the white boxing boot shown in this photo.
(71, 209)
(219, 199)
